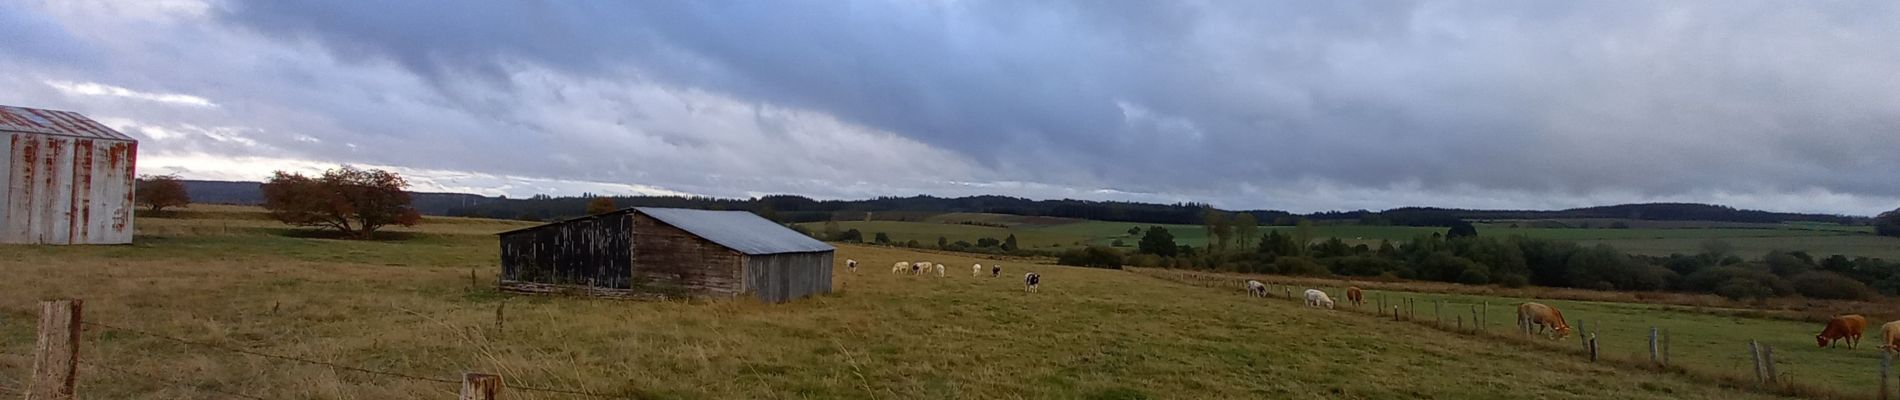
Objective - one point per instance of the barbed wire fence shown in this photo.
(1406, 309)
(56, 361)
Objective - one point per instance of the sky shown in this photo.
(1290, 105)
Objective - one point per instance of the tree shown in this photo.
(851, 235)
(1219, 228)
(943, 242)
(601, 205)
(1460, 229)
(1157, 241)
(882, 238)
(1246, 226)
(1888, 223)
(354, 202)
(1134, 231)
(831, 230)
(1302, 236)
(1009, 243)
(160, 191)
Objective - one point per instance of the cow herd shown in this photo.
(1848, 327)
(1030, 280)
(1544, 318)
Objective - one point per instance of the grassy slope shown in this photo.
(1089, 334)
(1700, 340)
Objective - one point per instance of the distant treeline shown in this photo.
(790, 209)
(1461, 256)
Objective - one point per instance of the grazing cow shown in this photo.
(1256, 289)
(939, 270)
(1316, 298)
(1544, 317)
(899, 267)
(1890, 336)
(851, 264)
(1355, 296)
(1030, 280)
(976, 270)
(1846, 326)
(996, 270)
(920, 266)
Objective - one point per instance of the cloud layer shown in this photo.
(1290, 105)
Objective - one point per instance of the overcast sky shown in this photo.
(1297, 105)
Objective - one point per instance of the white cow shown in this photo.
(1030, 280)
(939, 270)
(1316, 298)
(852, 264)
(976, 270)
(1256, 289)
(900, 266)
(919, 266)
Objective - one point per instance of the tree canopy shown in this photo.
(351, 201)
(161, 191)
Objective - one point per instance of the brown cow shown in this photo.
(1354, 295)
(1890, 333)
(1544, 317)
(1846, 326)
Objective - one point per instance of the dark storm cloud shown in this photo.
(1299, 105)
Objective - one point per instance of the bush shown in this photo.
(1740, 288)
(1711, 280)
(1829, 285)
(1300, 266)
(1513, 281)
(1092, 256)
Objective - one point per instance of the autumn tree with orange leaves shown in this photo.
(351, 201)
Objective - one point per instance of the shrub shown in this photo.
(1829, 285)
(1092, 256)
(1300, 266)
(1740, 288)
(1513, 281)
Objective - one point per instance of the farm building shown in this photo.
(666, 252)
(70, 180)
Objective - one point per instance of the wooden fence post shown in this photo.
(56, 354)
(1593, 347)
(1395, 312)
(498, 317)
(1484, 314)
(1767, 359)
(1761, 374)
(1582, 335)
(1474, 318)
(480, 386)
(1437, 311)
(1886, 365)
(1653, 359)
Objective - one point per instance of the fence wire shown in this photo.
(170, 382)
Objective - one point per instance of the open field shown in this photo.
(1703, 340)
(1818, 239)
(410, 307)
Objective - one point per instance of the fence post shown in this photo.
(1767, 359)
(1886, 364)
(1593, 347)
(1653, 359)
(480, 386)
(1484, 314)
(56, 354)
(1761, 374)
(1461, 323)
(1438, 316)
(1474, 318)
(1395, 312)
(498, 317)
(1582, 335)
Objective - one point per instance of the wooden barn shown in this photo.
(666, 252)
(70, 180)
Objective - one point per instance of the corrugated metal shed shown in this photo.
(52, 122)
(741, 231)
(70, 180)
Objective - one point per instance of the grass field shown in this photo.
(409, 306)
(1707, 341)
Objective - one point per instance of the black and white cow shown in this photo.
(1030, 280)
(851, 264)
(996, 270)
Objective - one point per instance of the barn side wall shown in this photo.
(67, 190)
(778, 278)
(590, 253)
(668, 260)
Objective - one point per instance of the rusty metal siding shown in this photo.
(64, 188)
(593, 253)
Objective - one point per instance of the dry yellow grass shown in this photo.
(1088, 334)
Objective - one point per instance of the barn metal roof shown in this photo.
(52, 122)
(741, 231)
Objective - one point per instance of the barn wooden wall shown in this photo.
(590, 252)
(778, 278)
(670, 260)
(66, 190)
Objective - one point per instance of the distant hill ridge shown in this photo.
(800, 209)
